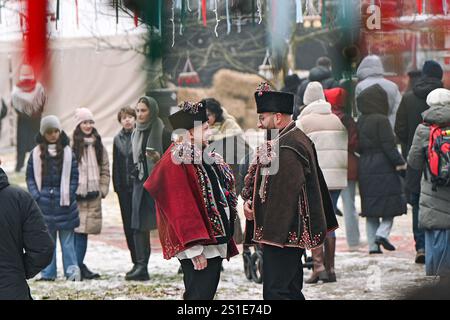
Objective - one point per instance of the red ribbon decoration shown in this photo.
(136, 20)
(204, 12)
(36, 39)
(419, 6)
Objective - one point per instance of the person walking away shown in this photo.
(370, 72)
(52, 180)
(122, 173)
(409, 116)
(283, 187)
(149, 141)
(330, 138)
(337, 97)
(26, 247)
(197, 204)
(430, 140)
(93, 186)
(378, 169)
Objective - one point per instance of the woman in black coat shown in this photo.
(149, 141)
(122, 174)
(379, 182)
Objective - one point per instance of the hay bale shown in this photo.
(192, 94)
(236, 84)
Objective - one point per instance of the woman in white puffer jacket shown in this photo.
(330, 138)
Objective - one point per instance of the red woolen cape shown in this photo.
(181, 213)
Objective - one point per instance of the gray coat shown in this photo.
(434, 205)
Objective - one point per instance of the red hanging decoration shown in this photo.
(419, 6)
(204, 12)
(36, 39)
(136, 18)
(188, 76)
(76, 12)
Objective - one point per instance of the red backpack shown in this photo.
(438, 155)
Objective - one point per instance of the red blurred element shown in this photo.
(419, 6)
(36, 39)
(136, 20)
(204, 12)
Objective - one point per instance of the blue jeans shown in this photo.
(81, 241)
(375, 228)
(334, 194)
(351, 218)
(437, 252)
(71, 269)
(419, 234)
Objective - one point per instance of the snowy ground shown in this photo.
(360, 276)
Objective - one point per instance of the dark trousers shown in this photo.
(81, 243)
(419, 234)
(282, 273)
(142, 248)
(201, 285)
(125, 202)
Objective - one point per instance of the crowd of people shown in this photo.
(182, 181)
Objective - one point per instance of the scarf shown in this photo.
(65, 175)
(29, 102)
(89, 174)
(156, 126)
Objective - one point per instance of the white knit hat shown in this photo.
(439, 97)
(49, 122)
(313, 92)
(83, 114)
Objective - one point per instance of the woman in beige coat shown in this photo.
(93, 185)
(330, 138)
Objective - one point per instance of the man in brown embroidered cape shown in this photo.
(287, 204)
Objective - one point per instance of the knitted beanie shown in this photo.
(83, 114)
(49, 122)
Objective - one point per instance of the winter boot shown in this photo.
(319, 272)
(330, 251)
(88, 274)
(142, 247)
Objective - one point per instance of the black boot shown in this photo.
(132, 270)
(142, 250)
(385, 243)
(88, 274)
(140, 274)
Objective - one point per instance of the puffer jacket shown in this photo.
(91, 210)
(379, 183)
(434, 210)
(330, 138)
(370, 72)
(48, 199)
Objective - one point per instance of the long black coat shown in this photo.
(144, 217)
(409, 116)
(379, 183)
(25, 244)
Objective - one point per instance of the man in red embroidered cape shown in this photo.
(196, 204)
(287, 204)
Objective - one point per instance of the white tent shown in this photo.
(96, 64)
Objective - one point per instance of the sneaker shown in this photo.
(420, 256)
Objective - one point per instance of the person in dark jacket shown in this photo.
(25, 244)
(320, 73)
(52, 179)
(379, 182)
(122, 174)
(3, 113)
(409, 116)
(150, 139)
